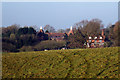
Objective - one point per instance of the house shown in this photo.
(57, 36)
(96, 41)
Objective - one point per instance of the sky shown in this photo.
(60, 15)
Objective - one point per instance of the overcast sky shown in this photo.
(60, 15)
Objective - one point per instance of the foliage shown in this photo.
(73, 63)
(12, 36)
(18, 37)
(6, 31)
(26, 30)
(77, 40)
(8, 47)
(50, 44)
(28, 39)
(114, 34)
(26, 48)
(28, 36)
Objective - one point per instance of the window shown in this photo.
(100, 37)
(90, 37)
(95, 38)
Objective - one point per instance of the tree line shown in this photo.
(16, 38)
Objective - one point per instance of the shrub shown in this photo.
(8, 47)
(26, 48)
(50, 44)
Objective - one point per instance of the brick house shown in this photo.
(57, 36)
(96, 41)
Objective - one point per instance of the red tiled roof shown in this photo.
(55, 34)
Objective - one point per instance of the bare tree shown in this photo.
(93, 27)
(49, 29)
(80, 24)
(61, 31)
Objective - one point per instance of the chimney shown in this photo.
(102, 32)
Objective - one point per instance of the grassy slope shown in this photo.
(74, 63)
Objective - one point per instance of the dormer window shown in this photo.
(95, 38)
(100, 37)
(90, 37)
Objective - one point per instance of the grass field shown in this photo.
(72, 63)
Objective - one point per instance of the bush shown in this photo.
(26, 48)
(50, 44)
(8, 47)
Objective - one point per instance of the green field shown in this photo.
(72, 63)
